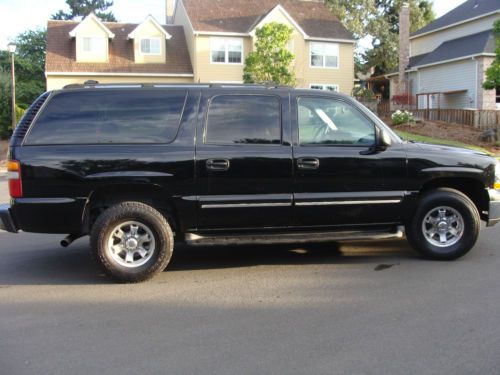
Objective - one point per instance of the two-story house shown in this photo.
(448, 58)
(206, 41)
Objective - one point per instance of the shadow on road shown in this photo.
(51, 265)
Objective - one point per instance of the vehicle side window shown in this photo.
(325, 121)
(244, 119)
(109, 116)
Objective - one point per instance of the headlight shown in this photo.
(497, 176)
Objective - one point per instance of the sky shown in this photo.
(17, 16)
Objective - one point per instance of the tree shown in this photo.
(30, 78)
(379, 20)
(384, 30)
(271, 59)
(493, 72)
(354, 14)
(82, 8)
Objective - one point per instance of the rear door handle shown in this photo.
(218, 164)
(308, 163)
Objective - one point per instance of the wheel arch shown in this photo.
(102, 198)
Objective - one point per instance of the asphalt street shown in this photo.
(371, 308)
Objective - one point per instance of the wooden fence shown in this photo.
(483, 119)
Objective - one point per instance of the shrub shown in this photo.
(362, 93)
(402, 117)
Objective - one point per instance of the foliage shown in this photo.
(384, 29)
(30, 78)
(403, 99)
(379, 19)
(271, 60)
(493, 72)
(402, 117)
(362, 93)
(354, 14)
(82, 8)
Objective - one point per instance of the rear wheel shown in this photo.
(132, 242)
(445, 225)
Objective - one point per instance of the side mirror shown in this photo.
(383, 140)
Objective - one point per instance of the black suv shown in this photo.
(141, 167)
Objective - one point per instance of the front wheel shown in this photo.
(132, 242)
(445, 225)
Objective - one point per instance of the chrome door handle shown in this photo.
(308, 163)
(218, 164)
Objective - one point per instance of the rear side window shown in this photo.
(109, 116)
(244, 119)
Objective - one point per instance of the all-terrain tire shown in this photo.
(446, 206)
(153, 225)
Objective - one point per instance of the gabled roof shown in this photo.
(91, 17)
(470, 45)
(152, 20)
(479, 44)
(278, 8)
(467, 11)
(61, 54)
(240, 16)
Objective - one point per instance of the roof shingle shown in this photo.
(239, 16)
(468, 10)
(61, 54)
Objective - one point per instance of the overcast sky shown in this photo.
(19, 15)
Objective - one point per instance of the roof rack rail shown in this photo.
(95, 84)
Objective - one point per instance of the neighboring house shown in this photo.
(220, 33)
(111, 52)
(207, 42)
(448, 58)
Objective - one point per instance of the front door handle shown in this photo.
(218, 164)
(308, 163)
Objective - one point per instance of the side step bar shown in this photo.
(292, 237)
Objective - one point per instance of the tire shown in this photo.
(445, 225)
(132, 242)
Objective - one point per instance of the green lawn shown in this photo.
(422, 138)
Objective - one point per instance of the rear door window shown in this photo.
(244, 119)
(109, 116)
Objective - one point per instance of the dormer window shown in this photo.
(92, 38)
(151, 46)
(94, 44)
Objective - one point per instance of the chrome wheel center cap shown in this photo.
(131, 244)
(443, 226)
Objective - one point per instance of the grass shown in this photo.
(426, 139)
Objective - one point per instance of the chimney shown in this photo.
(404, 46)
(170, 7)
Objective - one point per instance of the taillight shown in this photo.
(14, 176)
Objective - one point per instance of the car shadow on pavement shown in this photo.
(213, 257)
(52, 265)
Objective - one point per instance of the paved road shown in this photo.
(360, 309)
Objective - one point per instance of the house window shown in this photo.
(93, 44)
(324, 55)
(325, 87)
(226, 50)
(150, 46)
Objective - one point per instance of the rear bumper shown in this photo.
(6, 221)
(494, 208)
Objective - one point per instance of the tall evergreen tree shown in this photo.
(82, 8)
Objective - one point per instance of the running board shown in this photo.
(292, 237)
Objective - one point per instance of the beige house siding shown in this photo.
(181, 18)
(91, 28)
(148, 30)
(206, 71)
(55, 82)
(429, 42)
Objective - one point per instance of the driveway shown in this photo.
(358, 309)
